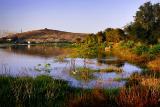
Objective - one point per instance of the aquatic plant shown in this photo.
(118, 79)
(60, 59)
(112, 69)
(85, 74)
(46, 68)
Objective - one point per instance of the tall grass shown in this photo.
(154, 65)
(141, 91)
(43, 91)
(138, 96)
(28, 92)
(94, 98)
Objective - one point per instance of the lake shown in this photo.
(56, 61)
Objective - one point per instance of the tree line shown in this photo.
(144, 28)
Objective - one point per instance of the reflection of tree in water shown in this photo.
(101, 55)
(107, 58)
(120, 64)
(73, 65)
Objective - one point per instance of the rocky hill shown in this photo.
(44, 36)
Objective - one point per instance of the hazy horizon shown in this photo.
(83, 16)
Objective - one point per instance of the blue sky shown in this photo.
(67, 15)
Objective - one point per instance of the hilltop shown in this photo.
(44, 36)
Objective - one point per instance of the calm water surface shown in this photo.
(56, 61)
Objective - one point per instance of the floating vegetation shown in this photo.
(46, 68)
(61, 59)
(118, 79)
(112, 69)
(85, 74)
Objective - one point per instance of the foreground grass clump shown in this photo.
(94, 98)
(140, 91)
(139, 96)
(154, 65)
(136, 95)
(27, 92)
(43, 91)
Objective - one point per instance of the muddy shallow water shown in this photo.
(27, 60)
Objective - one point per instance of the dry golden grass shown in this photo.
(154, 65)
(139, 96)
(144, 80)
(142, 91)
(95, 98)
(151, 82)
(127, 54)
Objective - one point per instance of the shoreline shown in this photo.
(144, 60)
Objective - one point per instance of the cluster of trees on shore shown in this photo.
(144, 28)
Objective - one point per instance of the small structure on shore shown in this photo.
(108, 48)
(9, 40)
(29, 42)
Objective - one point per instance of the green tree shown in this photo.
(114, 35)
(78, 40)
(91, 39)
(99, 37)
(146, 25)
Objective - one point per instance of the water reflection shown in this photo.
(22, 61)
(37, 50)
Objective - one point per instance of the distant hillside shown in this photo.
(45, 35)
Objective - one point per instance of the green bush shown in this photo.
(128, 44)
(141, 49)
(155, 49)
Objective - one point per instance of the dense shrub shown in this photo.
(114, 35)
(146, 25)
(141, 49)
(155, 49)
(128, 44)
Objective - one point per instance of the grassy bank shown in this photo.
(28, 92)
(44, 91)
(136, 52)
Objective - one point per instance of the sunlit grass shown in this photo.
(154, 65)
(112, 69)
(26, 91)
